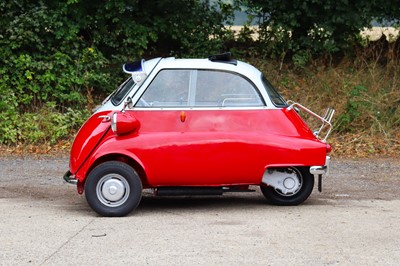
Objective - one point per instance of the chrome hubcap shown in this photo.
(291, 183)
(113, 190)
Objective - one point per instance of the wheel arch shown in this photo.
(134, 163)
(277, 190)
(301, 167)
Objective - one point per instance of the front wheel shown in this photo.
(113, 189)
(299, 185)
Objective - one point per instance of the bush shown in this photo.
(59, 58)
(47, 125)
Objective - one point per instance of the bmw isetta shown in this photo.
(196, 127)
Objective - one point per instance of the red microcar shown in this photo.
(196, 127)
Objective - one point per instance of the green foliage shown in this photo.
(44, 64)
(301, 58)
(47, 125)
(316, 27)
(56, 56)
(354, 109)
(185, 28)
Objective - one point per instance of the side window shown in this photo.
(121, 92)
(170, 88)
(276, 98)
(225, 89)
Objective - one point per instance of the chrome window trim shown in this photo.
(192, 87)
(200, 108)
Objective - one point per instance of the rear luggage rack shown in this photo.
(326, 119)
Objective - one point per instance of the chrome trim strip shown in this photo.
(200, 108)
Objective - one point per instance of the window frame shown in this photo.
(120, 90)
(273, 93)
(193, 76)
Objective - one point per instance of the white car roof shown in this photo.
(240, 67)
(157, 64)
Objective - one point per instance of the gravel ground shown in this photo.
(357, 179)
(354, 221)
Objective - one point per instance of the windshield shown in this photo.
(122, 91)
(274, 95)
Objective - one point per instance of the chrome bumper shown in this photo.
(321, 170)
(69, 178)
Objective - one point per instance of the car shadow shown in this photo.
(199, 202)
(225, 203)
(229, 202)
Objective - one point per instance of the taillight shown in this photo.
(328, 148)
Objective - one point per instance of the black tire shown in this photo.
(113, 189)
(278, 198)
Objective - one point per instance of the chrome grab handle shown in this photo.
(105, 117)
(326, 120)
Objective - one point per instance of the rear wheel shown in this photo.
(293, 186)
(113, 189)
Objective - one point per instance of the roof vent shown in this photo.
(223, 58)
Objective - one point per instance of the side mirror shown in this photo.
(136, 69)
(128, 103)
(124, 123)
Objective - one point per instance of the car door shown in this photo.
(227, 124)
(199, 127)
(159, 142)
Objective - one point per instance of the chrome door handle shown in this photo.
(105, 118)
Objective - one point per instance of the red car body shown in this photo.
(195, 151)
